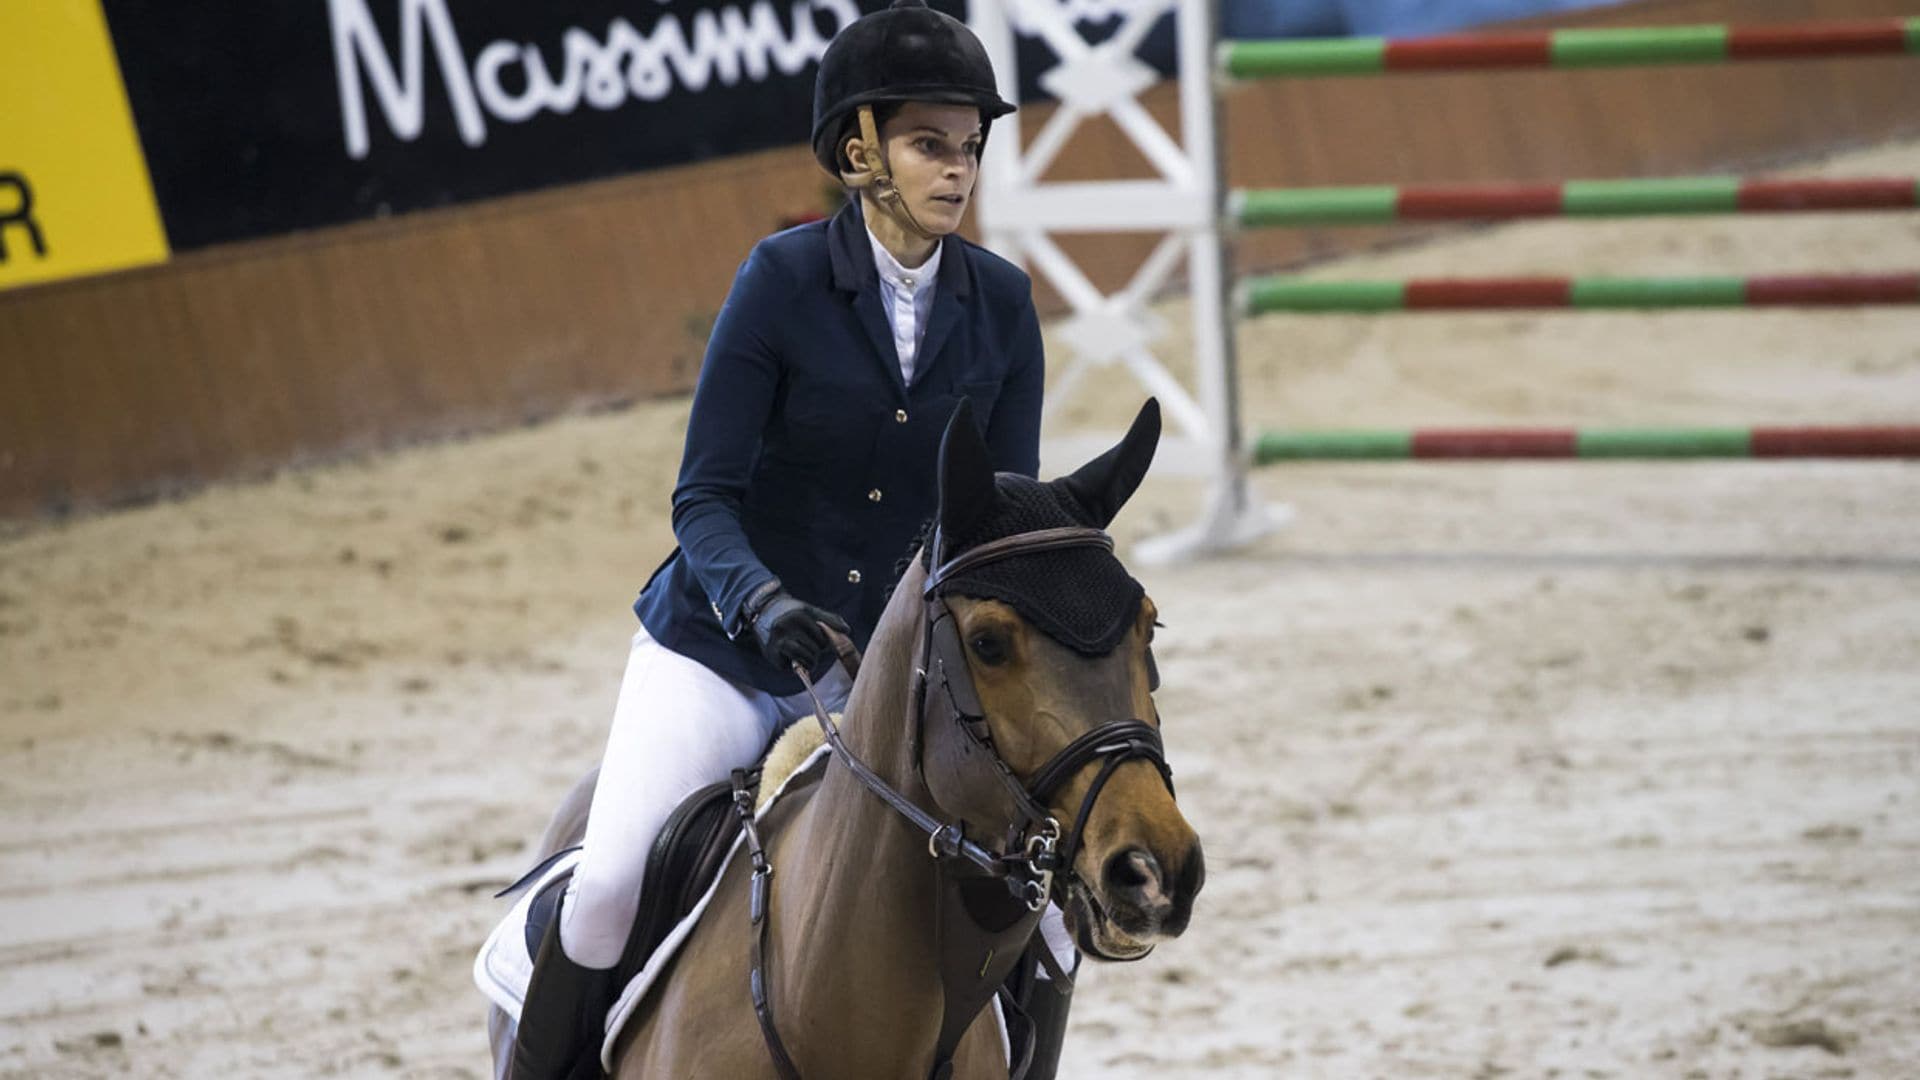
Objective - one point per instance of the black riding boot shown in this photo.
(564, 1019)
(1047, 1008)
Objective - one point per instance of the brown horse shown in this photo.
(853, 951)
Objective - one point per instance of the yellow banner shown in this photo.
(75, 197)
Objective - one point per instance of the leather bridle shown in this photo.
(944, 694)
(1036, 859)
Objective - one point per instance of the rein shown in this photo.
(1035, 859)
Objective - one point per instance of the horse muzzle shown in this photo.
(1135, 903)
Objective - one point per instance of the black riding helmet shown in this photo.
(906, 52)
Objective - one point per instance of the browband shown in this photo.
(1025, 543)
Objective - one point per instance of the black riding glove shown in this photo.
(789, 633)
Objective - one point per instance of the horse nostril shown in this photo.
(1133, 869)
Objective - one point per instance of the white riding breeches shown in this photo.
(678, 727)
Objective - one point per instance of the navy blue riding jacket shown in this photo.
(807, 458)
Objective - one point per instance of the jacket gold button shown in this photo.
(874, 495)
(853, 576)
(899, 416)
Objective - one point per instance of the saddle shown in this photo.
(687, 855)
(685, 859)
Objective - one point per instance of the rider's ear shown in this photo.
(1104, 485)
(855, 151)
(966, 473)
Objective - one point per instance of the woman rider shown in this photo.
(831, 371)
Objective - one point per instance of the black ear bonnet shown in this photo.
(1081, 597)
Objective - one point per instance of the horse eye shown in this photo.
(989, 648)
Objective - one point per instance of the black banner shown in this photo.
(266, 117)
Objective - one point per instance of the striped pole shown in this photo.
(1486, 444)
(1637, 47)
(1370, 205)
(1292, 294)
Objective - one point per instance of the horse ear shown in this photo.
(1104, 484)
(966, 473)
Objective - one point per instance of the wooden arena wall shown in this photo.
(237, 360)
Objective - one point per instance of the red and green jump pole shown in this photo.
(1376, 204)
(1573, 49)
(1487, 444)
(1302, 295)
(1638, 47)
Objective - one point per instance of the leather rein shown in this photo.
(1038, 856)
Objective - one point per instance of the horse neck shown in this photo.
(876, 724)
(854, 930)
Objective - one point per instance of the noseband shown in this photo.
(1036, 860)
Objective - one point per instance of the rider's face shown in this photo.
(934, 152)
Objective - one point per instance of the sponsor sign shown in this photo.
(268, 117)
(74, 197)
(264, 118)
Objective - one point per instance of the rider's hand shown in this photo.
(789, 633)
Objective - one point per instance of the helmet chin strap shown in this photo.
(878, 178)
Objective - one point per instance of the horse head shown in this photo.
(1053, 716)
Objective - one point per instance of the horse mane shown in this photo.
(919, 553)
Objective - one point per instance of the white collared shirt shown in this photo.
(907, 297)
